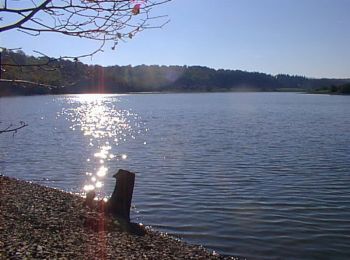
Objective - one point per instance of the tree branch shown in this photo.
(104, 21)
(10, 128)
(19, 81)
(26, 17)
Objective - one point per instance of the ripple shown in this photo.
(259, 175)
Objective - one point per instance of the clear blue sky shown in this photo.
(303, 37)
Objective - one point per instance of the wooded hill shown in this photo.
(64, 76)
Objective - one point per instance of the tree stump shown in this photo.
(120, 202)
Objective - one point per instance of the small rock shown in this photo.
(39, 249)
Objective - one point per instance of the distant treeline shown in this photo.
(64, 76)
(342, 90)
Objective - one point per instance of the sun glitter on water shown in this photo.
(105, 125)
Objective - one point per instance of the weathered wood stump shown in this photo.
(120, 202)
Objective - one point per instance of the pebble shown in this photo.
(38, 222)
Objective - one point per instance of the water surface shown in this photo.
(259, 175)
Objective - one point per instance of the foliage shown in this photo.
(343, 89)
(76, 77)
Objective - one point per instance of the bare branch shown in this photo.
(13, 129)
(26, 82)
(26, 18)
(108, 22)
(105, 21)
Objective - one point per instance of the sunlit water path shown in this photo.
(260, 175)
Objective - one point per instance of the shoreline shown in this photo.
(151, 93)
(44, 223)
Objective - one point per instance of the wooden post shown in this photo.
(120, 202)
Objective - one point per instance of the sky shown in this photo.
(298, 37)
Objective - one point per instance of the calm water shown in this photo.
(259, 175)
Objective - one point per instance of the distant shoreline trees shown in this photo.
(343, 89)
(77, 77)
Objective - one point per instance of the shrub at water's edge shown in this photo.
(336, 90)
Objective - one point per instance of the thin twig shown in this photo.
(15, 129)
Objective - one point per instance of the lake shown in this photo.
(258, 175)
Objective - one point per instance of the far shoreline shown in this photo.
(296, 91)
(155, 93)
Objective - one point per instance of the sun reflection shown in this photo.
(99, 184)
(102, 171)
(106, 125)
(89, 187)
(103, 153)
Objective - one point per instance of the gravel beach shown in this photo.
(38, 222)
